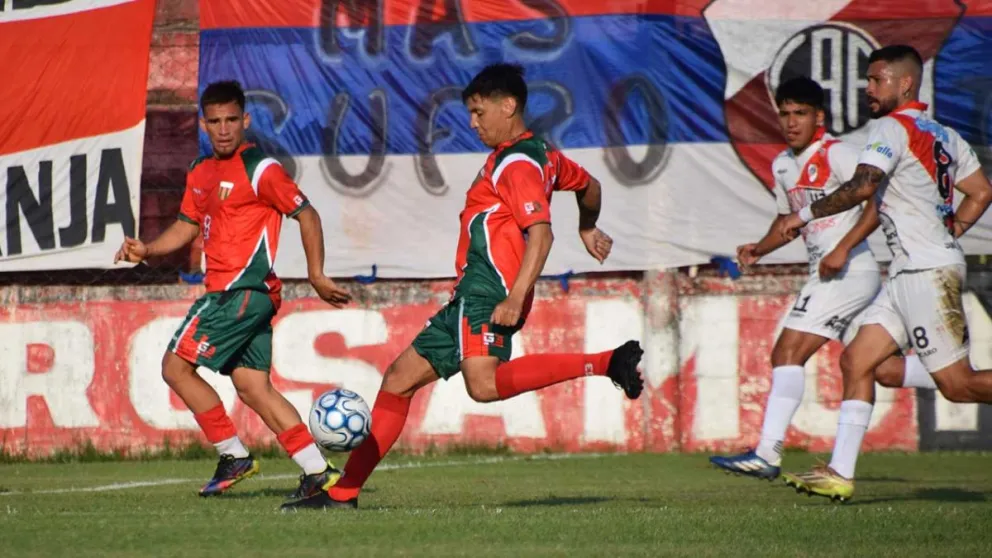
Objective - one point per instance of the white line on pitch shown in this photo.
(384, 467)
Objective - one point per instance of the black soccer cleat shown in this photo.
(230, 471)
(320, 501)
(311, 485)
(623, 369)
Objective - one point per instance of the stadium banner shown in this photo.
(72, 121)
(87, 369)
(667, 102)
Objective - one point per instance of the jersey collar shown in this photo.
(521, 137)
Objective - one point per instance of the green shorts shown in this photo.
(227, 330)
(461, 330)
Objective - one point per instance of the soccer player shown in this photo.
(843, 274)
(504, 241)
(238, 197)
(912, 164)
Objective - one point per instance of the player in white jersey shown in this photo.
(912, 164)
(843, 279)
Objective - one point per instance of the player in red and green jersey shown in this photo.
(504, 242)
(237, 197)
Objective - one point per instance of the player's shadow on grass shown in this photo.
(558, 501)
(882, 479)
(271, 491)
(945, 495)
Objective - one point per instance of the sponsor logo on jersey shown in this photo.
(880, 148)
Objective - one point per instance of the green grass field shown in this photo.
(644, 505)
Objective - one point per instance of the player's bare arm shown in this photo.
(832, 263)
(977, 197)
(539, 240)
(750, 254)
(312, 236)
(597, 242)
(862, 186)
(179, 234)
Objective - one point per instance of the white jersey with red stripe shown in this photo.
(817, 171)
(923, 159)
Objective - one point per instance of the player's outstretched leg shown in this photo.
(236, 463)
(256, 391)
(487, 380)
(792, 349)
(407, 374)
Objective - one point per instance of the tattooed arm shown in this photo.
(861, 187)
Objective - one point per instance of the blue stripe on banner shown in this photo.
(670, 67)
(963, 76)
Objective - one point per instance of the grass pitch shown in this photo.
(624, 505)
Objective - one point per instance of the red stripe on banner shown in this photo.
(73, 76)
(356, 13)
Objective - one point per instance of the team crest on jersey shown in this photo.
(811, 173)
(225, 190)
(762, 47)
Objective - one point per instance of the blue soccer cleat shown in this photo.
(749, 464)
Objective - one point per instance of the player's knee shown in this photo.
(890, 373)
(399, 381)
(481, 393)
(848, 364)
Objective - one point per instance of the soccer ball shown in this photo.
(340, 420)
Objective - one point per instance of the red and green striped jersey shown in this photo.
(511, 193)
(239, 203)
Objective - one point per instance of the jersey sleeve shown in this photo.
(571, 176)
(521, 187)
(277, 189)
(843, 160)
(189, 211)
(887, 142)
(965, 160)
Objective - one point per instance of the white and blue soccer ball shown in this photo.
(340, 420)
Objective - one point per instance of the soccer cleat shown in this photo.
(623, 369)
(230, 471)
(311, 485)
(320, 501)
(747, 463)
(821, 481)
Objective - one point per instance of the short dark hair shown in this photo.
(499, 80)
(800, 90)
(896, 53)
(221, 93)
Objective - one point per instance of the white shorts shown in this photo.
(881, 312)
(932, 314)
(827, 308)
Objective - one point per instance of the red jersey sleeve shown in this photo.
(521, 187)
(277, 189)
(571, 177)
(190, 211)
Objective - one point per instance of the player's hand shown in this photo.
(507, 313)
(329, 291)
(833, 263)
(789, 226)
(746, 256)
(132, 250)
(597, 242)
